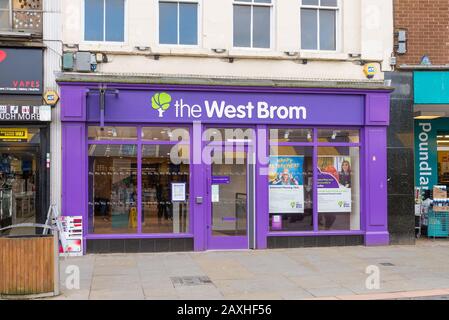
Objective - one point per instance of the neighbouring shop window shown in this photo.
(338, 188)
(252, 23)
(104, 20)
(112, 188)
(19, 177)
(112, 133)
(291, 188)
(165, 188)
(319, 24)
(21, 16)
(443, 157)
(178, 22)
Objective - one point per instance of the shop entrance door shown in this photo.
(230, 185)
(19, 184)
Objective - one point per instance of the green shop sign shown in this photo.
(426, 159)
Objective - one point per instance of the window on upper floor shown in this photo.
(319, 24)
(104, 20)
(20, 15)
(178, 22)
(252, 23)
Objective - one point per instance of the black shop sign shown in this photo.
(21, 71)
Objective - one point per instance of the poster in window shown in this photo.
(334, 184)
(286, 186)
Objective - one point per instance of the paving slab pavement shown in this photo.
(405, 272)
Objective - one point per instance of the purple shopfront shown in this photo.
(155, 167)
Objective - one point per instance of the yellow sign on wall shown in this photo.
(51, 97)
(13, 134)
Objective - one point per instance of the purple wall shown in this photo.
(368, 110)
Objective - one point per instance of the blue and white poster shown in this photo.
(286, 193)
(334, 184)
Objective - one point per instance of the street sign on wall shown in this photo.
(21, 71)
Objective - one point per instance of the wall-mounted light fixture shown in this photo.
(291, 53)
(143, 48)
(72, 45)
(401, 47)
(354, 55)
(219, 50)
(428, 115)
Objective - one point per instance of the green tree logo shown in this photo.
(161, 102)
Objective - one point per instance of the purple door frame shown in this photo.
(367, 109)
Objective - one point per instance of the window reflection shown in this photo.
(338, 188)
(112, 189)
(162, 210)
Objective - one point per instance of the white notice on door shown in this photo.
(178, 192)
(215, 193)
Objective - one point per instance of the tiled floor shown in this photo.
(308, 273)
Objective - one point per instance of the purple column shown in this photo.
(261, 187)
(74, 172)
(198, 189)
(375, 170)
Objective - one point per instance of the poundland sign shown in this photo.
(426, 154)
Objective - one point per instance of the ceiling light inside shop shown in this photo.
(428, 115)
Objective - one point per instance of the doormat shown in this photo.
(190, 281)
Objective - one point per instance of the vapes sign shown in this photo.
(21, 71)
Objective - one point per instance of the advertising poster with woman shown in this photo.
(286, 184)
(334, 184)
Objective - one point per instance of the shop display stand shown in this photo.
(438, 223)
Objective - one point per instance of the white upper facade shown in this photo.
(260, 39)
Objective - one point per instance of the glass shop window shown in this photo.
(291, 135)
(104, 20)
(112, 133)
(252, 23)
(338, 188)
(291, 188)
(229, 135)
(165, 188)
(178, 22)
(338, 136)
(319, 24)
(112, 189)
(166, 134)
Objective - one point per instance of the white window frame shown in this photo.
(338, 24)
(199, 24)
(253, 4)
(111, 43)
